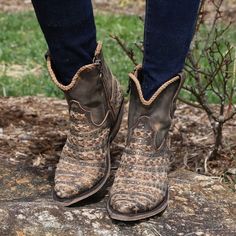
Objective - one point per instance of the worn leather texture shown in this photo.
(141, 182)
(94, 102)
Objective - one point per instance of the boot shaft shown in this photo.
(155, 114)
(93, 88)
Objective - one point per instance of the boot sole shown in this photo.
(138, 216)
(99, 186)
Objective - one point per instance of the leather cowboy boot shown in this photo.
(95, 107)
(140, 188)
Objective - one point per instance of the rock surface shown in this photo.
(198, 205)
(29, 148)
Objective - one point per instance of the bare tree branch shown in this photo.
(129, 52)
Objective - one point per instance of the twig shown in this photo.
(140, 47)
(129, 52)
(189, 103)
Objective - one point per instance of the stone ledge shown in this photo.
(198, 205)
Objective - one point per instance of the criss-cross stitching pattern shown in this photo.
(141, 180)
(82, 163)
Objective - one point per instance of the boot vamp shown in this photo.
(83, 159)
(141, 180)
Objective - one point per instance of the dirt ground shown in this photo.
(105, 5)
(33, 132)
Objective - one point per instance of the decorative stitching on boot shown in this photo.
(157, 93)
(141, 182)
(83, 162)
(76, 77)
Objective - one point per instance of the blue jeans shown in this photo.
(70, 32)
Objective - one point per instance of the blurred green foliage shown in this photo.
(22, 45)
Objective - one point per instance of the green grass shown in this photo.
(22, 43)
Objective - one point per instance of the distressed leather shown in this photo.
(141, 183)
(94, 98)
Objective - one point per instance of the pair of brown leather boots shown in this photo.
(95, 100)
